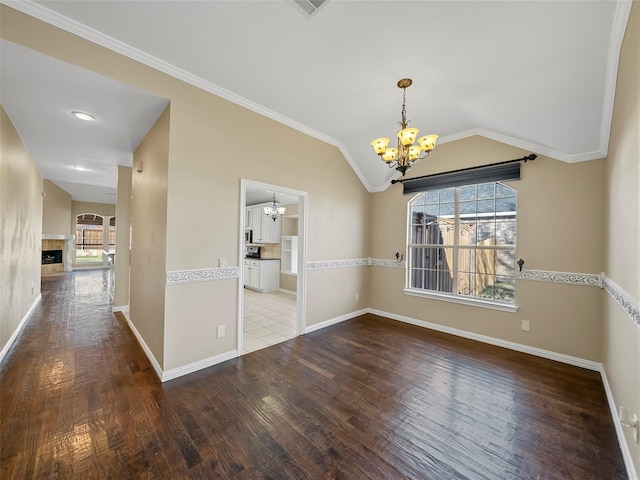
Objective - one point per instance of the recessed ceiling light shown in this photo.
(83, 116)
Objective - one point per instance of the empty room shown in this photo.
(307, 239)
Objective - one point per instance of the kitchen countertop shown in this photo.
(263, 258)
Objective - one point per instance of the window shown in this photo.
(112, 235)
(89, 237)
(462, 243)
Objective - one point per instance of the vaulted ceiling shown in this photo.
(537, 75)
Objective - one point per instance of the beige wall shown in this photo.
(20, 230)
(621, 336)
(56, 210)
(560, 207)
(290, 220)
(289, 282)
(333, 292)
(203, 211)
(78, 208)
(149, 237)
(204, 173)
(123, 238)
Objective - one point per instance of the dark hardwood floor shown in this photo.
(366, 399)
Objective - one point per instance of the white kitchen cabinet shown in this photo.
(289, 254)
(255, 222)
(262, 275)
(271, 229)
(254, 275)
(265, 230)
(248, 218)
(247, 272)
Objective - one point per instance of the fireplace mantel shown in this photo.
(57, 236)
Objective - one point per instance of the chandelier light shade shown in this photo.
(407, 154)
(274, 211)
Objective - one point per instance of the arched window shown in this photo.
(462, 243)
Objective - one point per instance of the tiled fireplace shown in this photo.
(56, 253)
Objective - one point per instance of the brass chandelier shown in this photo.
(407, 154)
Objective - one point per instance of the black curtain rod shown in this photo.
(525, 159)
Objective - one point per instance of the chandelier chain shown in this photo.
(404, 123)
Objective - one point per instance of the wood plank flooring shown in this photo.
(366, 399)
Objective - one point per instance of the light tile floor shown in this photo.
(269, 318)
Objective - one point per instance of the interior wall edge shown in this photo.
(143, 344)
(16, 332)
(624, 447)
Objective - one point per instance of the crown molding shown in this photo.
(621, 16)
(53, 18)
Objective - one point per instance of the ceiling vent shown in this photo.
(310, 6)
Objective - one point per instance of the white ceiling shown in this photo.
(537, 75)
(40, 92)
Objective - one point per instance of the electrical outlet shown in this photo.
(221, 331)
(357, 297)
(222, 262)
(525, 325)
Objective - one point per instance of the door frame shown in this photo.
(301, 284)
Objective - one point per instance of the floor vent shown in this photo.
(310, 6)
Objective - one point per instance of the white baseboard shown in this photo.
(199, 365)
(143, 344)
(122, 308)
(287, 291)
(538, 352)
(19, 328)
(179, 371)
(624, 447)
(333, 321)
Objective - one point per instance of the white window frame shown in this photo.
(453, 297)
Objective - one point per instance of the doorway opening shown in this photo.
(95, 240)
(271, 300)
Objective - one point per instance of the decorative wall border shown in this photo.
(623, 299)
(626, 301)
(202, 275)
(383, 262)
(588, 279)
(356, 262)
(324, 264)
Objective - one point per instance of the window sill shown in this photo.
(476, 302)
